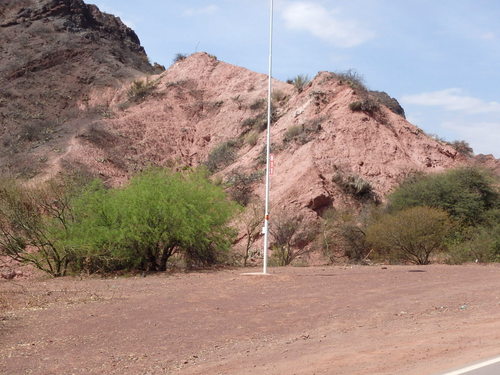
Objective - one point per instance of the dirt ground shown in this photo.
(320, 320)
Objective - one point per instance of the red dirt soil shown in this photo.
(318, 320)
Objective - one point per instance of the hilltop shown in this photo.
(80, 93)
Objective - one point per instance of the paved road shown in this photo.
(491, 367)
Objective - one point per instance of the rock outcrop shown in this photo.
(53, 53)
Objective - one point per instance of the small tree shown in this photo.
(34, 224)
(159, 214)
(412, 235)
(467, 194)
(291, 234)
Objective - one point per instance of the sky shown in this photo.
(439, 59)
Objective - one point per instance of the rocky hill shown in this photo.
(53, 53)
(78, 92)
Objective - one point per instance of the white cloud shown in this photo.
(488, 36)
(209, 9)
(484, 137)
(325, 24)
(453, 99)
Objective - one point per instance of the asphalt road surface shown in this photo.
(491, 367)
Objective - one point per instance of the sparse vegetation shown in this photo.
(355, 185)
(303, 134)
(251, 220)
(291, 234)
(367, 105)
(222, 155)
(343, 235)
(278, 96)
(299, 82)
(240, 186)
(65, 227)
(258, 104)
(463, 148)
(252, 138)
(179, 57)
(140, 90)
(34, 224)
(354, 80)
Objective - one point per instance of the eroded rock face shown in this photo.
(53, 54)
(65, 103)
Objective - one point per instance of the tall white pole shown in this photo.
(268, 141)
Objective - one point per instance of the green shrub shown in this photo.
(467, 194)
(158, 214)
(222, 155)
(411, 235)
(483, 246)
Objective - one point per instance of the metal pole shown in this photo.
(268, 144)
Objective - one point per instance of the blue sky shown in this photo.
(440, 59)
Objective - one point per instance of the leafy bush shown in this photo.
(158, 214)
(466, 194)
(411, 235)
(139, 90)
(483, 246)
(222, 155)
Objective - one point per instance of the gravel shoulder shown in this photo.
(318, 320)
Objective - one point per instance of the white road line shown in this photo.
(474, 367)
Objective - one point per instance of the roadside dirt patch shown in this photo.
(321, 320)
